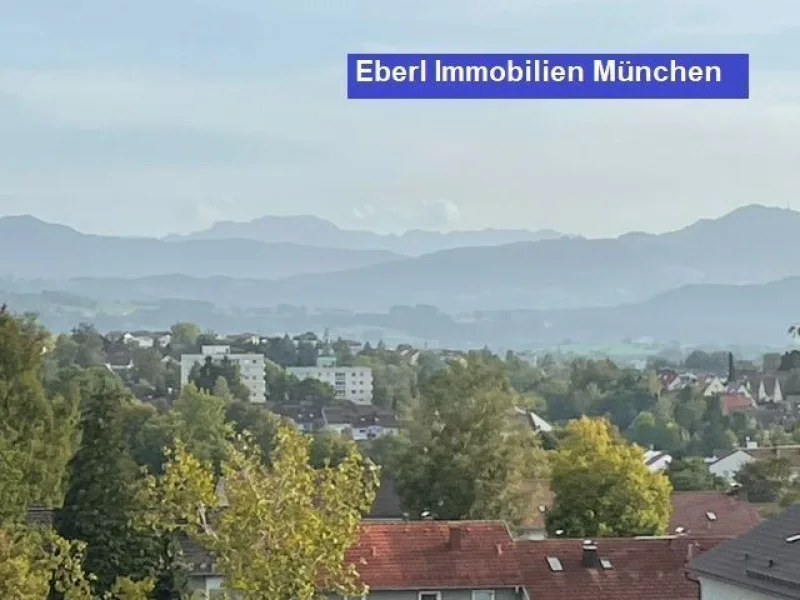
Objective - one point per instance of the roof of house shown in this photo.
(387, 502)
(358, 415)
(767, 558)
(302, 414)
(640, 569)
(439, 555)
(419, 555)
(712, 514)
(734, 402)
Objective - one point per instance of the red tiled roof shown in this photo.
(419, 555)
(642, 569)
(734, 517)
(732, 402)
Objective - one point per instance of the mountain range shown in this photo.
(725, 278)
(319, 232)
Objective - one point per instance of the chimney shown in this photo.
(590, 557)
(690, 551)
(456, 538)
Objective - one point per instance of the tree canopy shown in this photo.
(602, 486)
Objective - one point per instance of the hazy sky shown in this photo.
(147, 117)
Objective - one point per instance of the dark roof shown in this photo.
(762, 559)
(387, 502)
(197, 559)
(712, 514)
(358, 415)
(302, 414)
(39, 515)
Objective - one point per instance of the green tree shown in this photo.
(199, 422)
(329, 448)
(765, 480)
(91, 346)
(184, 335)
(692, 475)
(99, 504)
(38, 435)
(466, 456)
(602, 486)
(288, 526)
(205, 377)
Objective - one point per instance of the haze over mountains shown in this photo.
(709, 281)
(319, 232)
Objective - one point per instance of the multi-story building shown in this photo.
(251, 368)
(349, 383)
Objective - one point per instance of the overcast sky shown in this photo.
(148, 117)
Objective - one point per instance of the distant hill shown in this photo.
(751, 245)
(319, 232)
(709, 314)
(31, 249)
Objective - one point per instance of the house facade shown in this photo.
(251, 368)
(762, 564)
(353, 384)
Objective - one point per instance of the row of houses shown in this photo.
(358, 421)
(401, 559)
(485, 560)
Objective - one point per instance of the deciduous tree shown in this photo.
(466, 455)
(602, 486)
(287, 527)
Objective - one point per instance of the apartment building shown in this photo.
(349, 383)
(251, 368)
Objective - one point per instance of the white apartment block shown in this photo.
(251, 368)
(349, 383)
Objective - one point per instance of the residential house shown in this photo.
(306, 417)
(537, 423)
(714, 387)
(728, 465)
(480, 560)
(762, 564)
(251, 368)
(657, 461)
(767, 390)
(360, 422)
(736, 402)
(702, 514)
(353, 384)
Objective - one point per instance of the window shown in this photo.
(430, 596)
(482, 594)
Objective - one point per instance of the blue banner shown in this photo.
(548, 76)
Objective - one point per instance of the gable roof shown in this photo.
(421, 555)
(731, 516)
(418, 555)
(641, 569)
(762, 559)
(736, 402)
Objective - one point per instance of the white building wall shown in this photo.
(251, 369)
(711, 589)
(349, 383)
(729, 466)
